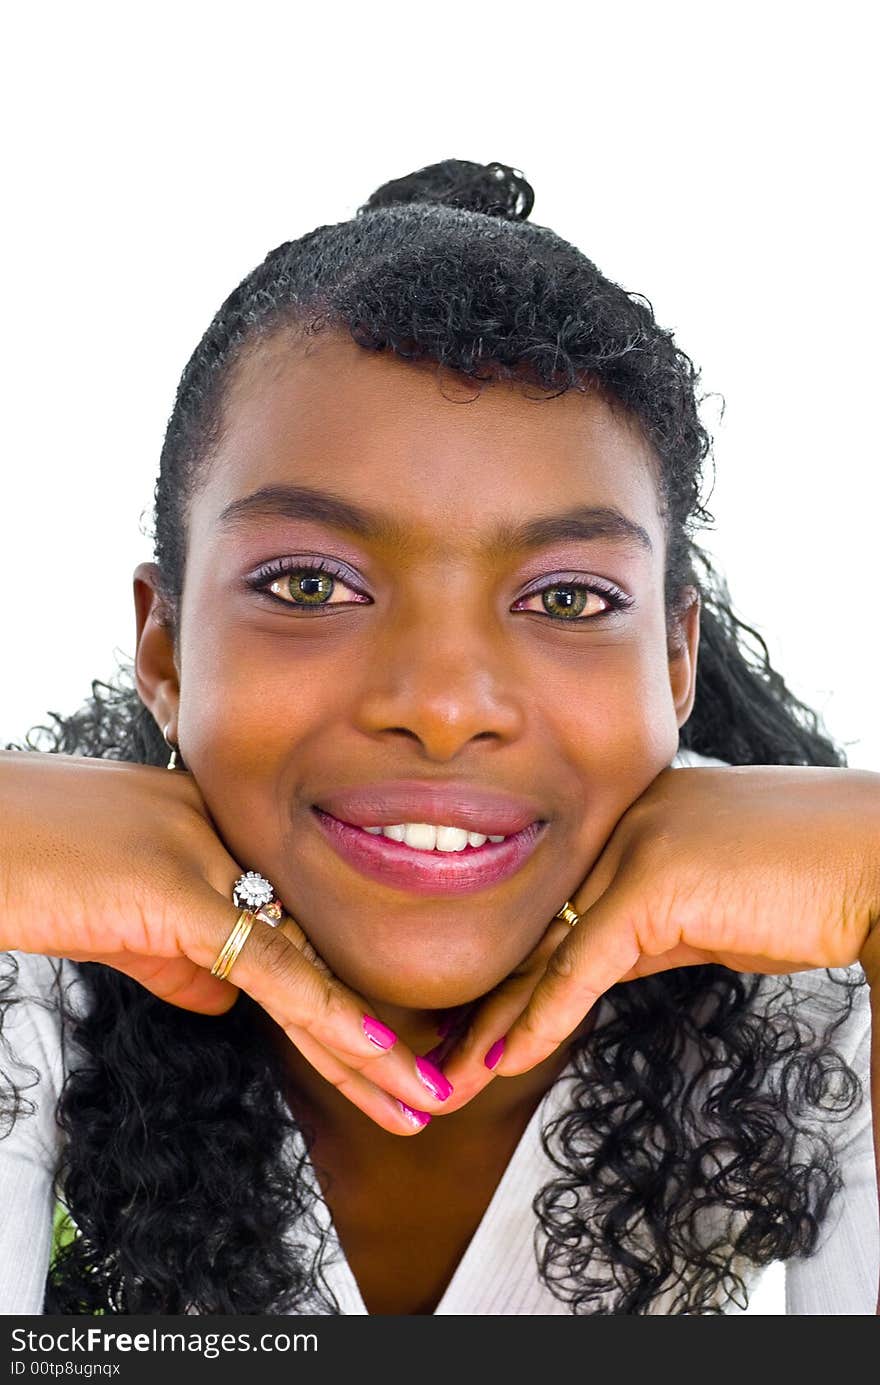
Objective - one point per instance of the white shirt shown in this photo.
(498, 1273)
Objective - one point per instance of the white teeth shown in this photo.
(421, 835)
(451, 839)
(424, 836)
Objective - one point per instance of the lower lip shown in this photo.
(429, 872)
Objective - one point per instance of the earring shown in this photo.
(172, 759)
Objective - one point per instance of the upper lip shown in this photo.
(451, 804)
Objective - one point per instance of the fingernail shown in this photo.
(379, 1033)
(436, 1082)
(419, 1118)
(493, 1057)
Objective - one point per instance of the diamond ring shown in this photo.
(255, 893)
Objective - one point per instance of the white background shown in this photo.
(714, 158)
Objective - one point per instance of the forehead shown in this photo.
(441, 454)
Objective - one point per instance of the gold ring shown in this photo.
(233, 945)
(567, 914)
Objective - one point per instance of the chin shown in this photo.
(417, 988)
(427, 997)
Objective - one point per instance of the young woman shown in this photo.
(484, 829)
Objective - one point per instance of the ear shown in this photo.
(155, 669)
(682, 647)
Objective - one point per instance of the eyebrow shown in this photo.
(323, 507)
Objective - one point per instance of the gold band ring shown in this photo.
(233, 945)
(567, 914)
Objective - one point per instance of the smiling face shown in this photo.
(444, 642)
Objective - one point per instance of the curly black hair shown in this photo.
(176, 1169)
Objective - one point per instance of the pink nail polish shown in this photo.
(419, 1118)
(436, 1082)
(379, 1033)
(493, 1057)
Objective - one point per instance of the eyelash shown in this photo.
(282, 567)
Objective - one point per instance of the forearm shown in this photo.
(875, 1089)
(870, 961)
(869, 958)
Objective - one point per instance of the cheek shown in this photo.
(249, 718)
(615, 725)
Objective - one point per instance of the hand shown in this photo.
(764, 869)
(118, 863)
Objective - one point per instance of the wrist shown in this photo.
(869, 954)
(869, 958)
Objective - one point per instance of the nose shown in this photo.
(443, 678)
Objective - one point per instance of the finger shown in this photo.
(679, 956)
(484, 1038)
(397, 1117)
(273, 970)
(599, 951)
(296, 934)
(682, 955)
(369, 1097)
(177, 980)
(601, 874)
(467, 1067)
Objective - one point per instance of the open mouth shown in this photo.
(426, 858)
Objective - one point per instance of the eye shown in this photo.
(576, 601)
(306, 584)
